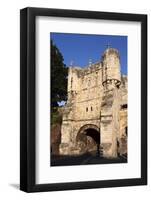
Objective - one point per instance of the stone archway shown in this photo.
(88, 139)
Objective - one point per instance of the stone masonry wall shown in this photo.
(97, 96)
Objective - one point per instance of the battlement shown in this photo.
(110, 51)
(82, 71)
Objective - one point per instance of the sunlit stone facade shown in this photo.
(95, 115)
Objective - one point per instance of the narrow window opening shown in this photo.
(124, 106)
(71, 82)
(126, 130)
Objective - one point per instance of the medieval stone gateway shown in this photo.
(88, 139)
(95, 115)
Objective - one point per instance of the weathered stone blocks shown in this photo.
(93, 117)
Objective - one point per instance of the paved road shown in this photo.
(84, 160)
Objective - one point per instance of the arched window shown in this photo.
(86, 109)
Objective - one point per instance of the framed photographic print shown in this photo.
(83, 99)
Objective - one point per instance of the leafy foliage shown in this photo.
(56, 117)
(58, 83)
(58, 76)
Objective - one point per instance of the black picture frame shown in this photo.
(28, 99)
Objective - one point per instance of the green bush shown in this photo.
(56, 117)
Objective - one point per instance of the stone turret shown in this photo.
(72, 83)
(111, 81)
(111, 74)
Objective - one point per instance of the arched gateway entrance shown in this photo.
(88, 139)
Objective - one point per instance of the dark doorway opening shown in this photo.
(94, 146)
(89, 140)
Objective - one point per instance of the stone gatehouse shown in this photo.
(95, 115)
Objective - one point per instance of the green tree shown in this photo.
(58, 76)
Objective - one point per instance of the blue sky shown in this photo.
(80, 48)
